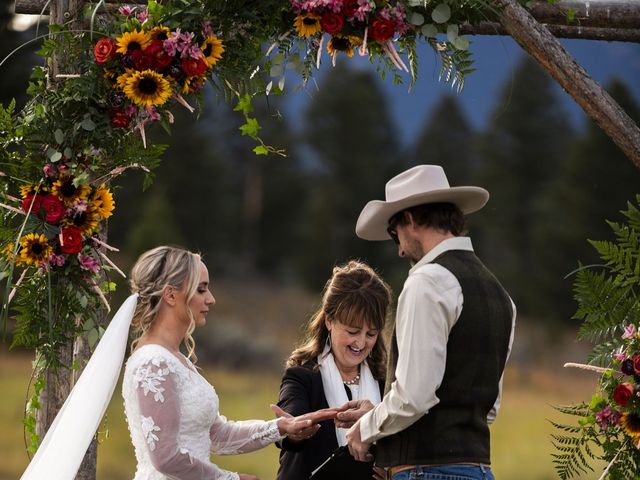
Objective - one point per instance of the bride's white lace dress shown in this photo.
(175, 425)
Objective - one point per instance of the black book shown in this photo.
(342, 465)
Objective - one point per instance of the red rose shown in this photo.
(636, 364)
(140, 60)
(54, 209)
(623, 393)
(350, 7)
(382, 29)
(104, 50)
(70, 240)
(193, 67)
(331, 22)
(161, 59)
(26, 204)
(120, 119)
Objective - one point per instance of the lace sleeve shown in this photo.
(156, 389)
(229, 437)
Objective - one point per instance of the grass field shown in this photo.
(521, 444)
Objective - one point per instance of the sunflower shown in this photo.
(130, 41)
(160, 33)
(7, 252)
(26, 190)
(212, 49)
(631, 424)
(307, 24)
(193, 84)
(103, 203)
(343, 43)
(122, 78)
(86, 221)
(35, 249)
(147, 88)
(69, 193)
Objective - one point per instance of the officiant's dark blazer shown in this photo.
(301, 392)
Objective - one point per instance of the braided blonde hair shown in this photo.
(155, 270)
(354, 294)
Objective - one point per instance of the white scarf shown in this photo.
(334, 390)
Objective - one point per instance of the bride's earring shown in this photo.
(328, 342)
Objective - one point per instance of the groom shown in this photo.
(452, 336)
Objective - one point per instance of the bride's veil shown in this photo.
(63, 447)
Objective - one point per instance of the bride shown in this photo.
(172, 411)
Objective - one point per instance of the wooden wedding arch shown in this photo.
(535, 28)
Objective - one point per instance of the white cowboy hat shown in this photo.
(416, 186)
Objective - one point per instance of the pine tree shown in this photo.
(525, 142)
(351, 139)
(593, 182)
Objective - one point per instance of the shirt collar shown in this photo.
(455, 243)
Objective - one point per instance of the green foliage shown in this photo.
(608, 306)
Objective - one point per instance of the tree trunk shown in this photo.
(561, 31)
(60, 381)
(535, 39)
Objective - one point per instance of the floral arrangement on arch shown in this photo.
(147, 64)
(608, 427)
(353, 25)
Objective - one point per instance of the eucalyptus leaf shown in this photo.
(441, 14)
(59, 136)
(276, 71)
(278, 58)
(88, 124)
(452, 33)
(461, 43)
(68, 152)
(416, 19)
(268, 88)
(281, 84)
(429, 30)
(92, 338)
(56, 157)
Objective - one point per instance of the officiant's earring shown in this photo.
(328, 341)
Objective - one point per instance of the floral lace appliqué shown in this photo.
(150, 379)
(148, 429)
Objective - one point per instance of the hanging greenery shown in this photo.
(609, 425)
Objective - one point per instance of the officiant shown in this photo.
(341, 358)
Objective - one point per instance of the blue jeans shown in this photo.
(446, 472)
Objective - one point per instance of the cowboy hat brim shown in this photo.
(373, 220)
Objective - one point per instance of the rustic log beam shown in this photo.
(35, 7)
(588, 13)
(536, 39)
(562, 31)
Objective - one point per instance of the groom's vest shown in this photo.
(455, 430)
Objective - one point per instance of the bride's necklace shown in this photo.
(354, 381)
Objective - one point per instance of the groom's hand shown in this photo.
(357, 448)
(350, 412)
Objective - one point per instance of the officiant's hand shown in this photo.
(357, 448)
(304, 426)
(350, 412)
(244, 476)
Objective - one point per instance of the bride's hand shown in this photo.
(304, 426)
(245, 476)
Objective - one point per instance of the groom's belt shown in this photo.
(391, 471)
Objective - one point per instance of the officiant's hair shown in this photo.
(152, 273)
(355, 293)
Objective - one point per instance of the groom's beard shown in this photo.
(414, 251)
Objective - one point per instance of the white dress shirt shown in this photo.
(429, 306)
